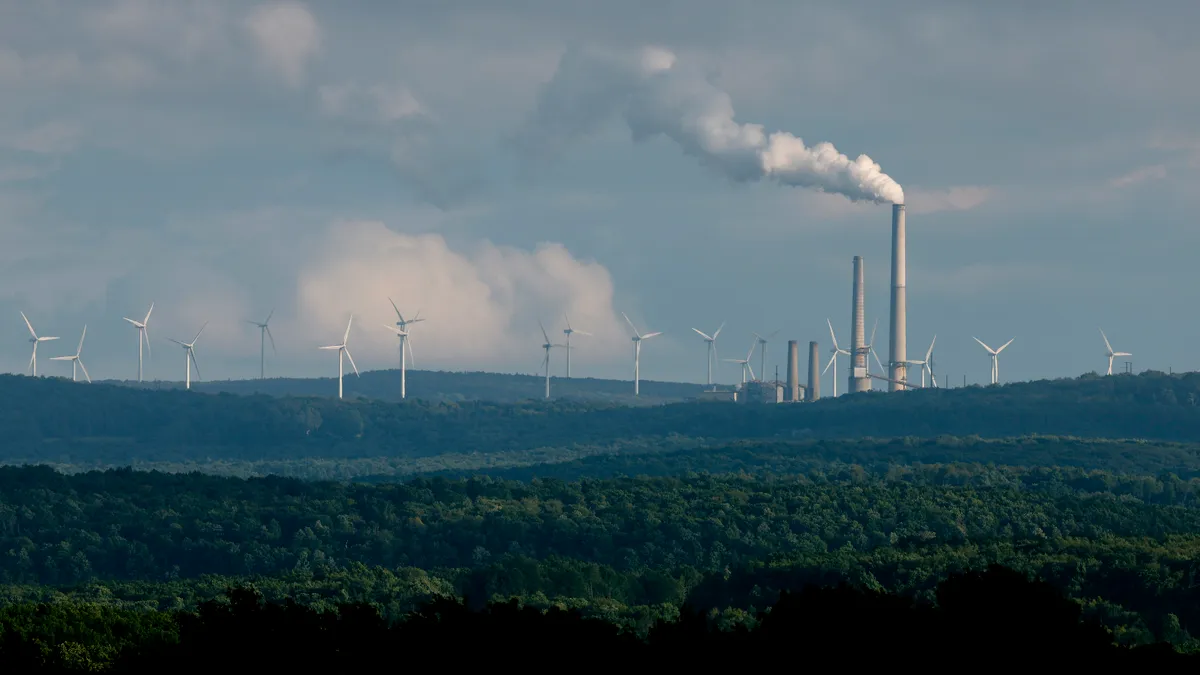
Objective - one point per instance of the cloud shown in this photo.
(962, 198)
(483, 305)
(287, 36)
(1139, 175)
(378, 103)
(51, 138)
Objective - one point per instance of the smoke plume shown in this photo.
(655, 96)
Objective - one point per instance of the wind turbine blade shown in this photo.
(29, 325)
(85, 372)
(631, 326)
(1106, 344)
(181, 344)
(135, 323)
(46, 339)
(774, 334)
(568, 320)
(199, 332)
(331, 347)
(271, 338)
(398, 314)
(703, 335)
(929, 354)
(882, 370)
(62, 358)
(147, 319)
(1005, 345)
(412, 359)
(394, 329)
(1122, 354)
(647, 336)
(346, 337)
(831, 335)
(581, 332)
(81, 337)
(269, 315)
(983, 345)
(757, 336)
(544, 332)
(352, 362)
(192, 356)
(829, 364)
(146, 336)
(719, 330)
(872, 342)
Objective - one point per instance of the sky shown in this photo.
(495, 164)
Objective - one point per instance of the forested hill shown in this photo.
(55, 420)
(442, 386)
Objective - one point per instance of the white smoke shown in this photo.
(655, 96)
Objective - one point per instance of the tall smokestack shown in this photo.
(898, 346)
(858, 341)
(814, 375)
(793, 372)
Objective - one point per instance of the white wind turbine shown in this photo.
(1111, 353)
(264, 332)
(712, 347)
(75, 360)
(401, 329)
(36, 341)
(837, 351)
(344, 349)
(546, 361)
(762, 355)
(569, 331)
(926, 364)
(869, 348)
(995, 358)
(745, 363)
(143, 337)
(189, 357)
(637, 353)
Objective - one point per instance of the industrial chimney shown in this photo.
(898, 345)
(814, 375)
(858, 341)
(792, 393)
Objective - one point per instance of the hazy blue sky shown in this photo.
(224, 158)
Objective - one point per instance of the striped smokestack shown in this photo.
(814, 374)
(898, 345)
(858, 341)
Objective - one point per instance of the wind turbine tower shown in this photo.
(762, 354)
(76, 361)
(837, 351)
(264, 332)
(143, 337)
(547, 345)
(343, 349)
(36, 341)
(569, 331)
(1111, 354)
(189, 357)
(637, 353)
(712, 347)
(402, 330)
(995, 358)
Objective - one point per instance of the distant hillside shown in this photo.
(54, 420)
(444, 386)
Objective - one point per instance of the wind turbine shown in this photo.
(143, 337)
(995, 358)
(762, 341)
(75, 360)
(926, 364)
(745, 363)
(36, 341)
(401, 329)
(568, 330)
(546, 361)
(264, 332)
(1111, 353)
(712, 347)
(869, 348)
(833, 359)
(343, 349)
(189, 358)
(637, 352)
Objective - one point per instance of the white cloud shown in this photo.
(482, 305)
(287, 36)
(1139, 175)
(379, 103)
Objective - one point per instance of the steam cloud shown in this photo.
(656, 97)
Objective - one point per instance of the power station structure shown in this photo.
(898, 342)
(859, 379)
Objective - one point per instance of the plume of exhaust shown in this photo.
(656, 96)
